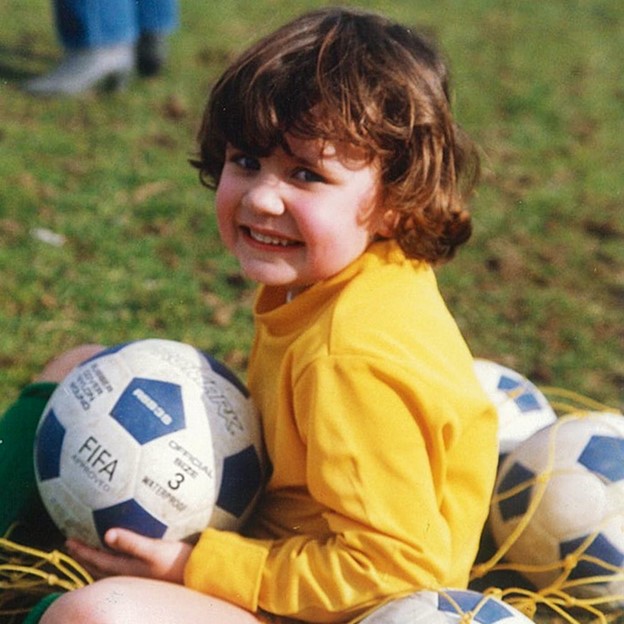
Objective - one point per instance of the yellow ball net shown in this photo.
(580, 586)
(27, 574)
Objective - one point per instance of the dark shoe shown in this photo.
(152, 54)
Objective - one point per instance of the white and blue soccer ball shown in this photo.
(522, 408)
(449, 606)
(154, 436)
(567, 481)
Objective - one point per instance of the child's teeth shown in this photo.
(269, 240)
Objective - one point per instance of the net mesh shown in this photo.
(27, 574)
(567, 596)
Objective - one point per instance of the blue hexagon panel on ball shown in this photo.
(154, 436)
(148, 409)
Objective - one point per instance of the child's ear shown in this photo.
(387, 224)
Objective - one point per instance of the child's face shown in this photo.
(293, 219)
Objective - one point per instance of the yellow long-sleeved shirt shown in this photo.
(383, 448)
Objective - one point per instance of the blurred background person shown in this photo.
(105, 42)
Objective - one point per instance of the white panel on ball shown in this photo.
(522, 408)
(446, 606)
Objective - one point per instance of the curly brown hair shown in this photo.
(347, 75)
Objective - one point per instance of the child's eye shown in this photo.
(246, 162)
(307, 175)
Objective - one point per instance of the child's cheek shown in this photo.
(225, 206)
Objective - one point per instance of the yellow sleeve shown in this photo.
(386, 458)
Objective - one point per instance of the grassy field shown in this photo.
(540, 288)
(106, 235)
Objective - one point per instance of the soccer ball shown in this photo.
(566, 483)
(522, 408)
(446, 607)
(154, 436)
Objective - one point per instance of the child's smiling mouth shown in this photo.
(269, 239)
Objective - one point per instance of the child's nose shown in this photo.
(264, 197)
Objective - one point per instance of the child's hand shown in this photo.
(135, 555)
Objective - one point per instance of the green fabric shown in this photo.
(40, 608)
(17, 432)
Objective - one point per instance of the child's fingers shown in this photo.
(151, 557)
(130, 543)
(101, 563)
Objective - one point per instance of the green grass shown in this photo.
(540, 287)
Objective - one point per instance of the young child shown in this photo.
(340, 176)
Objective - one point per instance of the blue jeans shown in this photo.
(96, 23)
